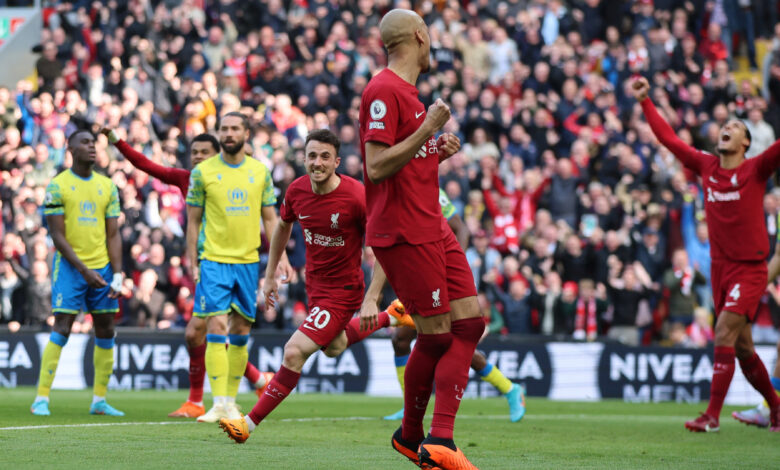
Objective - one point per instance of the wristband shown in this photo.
(116, 282)
(112, 137)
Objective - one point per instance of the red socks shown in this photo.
(281, 385)
(452, 374)
(354, 334)
(197, 372)
(722, 372)
(754, 370)
(251, 373)
(418, 380)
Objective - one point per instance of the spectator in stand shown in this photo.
(591, 306)
(482, 258)
(145, 306)
(681, 280)
(516, 303)
(538, 92)
(626, 292)
(700, 331)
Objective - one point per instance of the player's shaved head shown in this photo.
(399, 26)
(408, 44)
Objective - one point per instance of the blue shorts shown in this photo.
(71, 294)
(223, 287)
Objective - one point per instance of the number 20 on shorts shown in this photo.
(318, 317)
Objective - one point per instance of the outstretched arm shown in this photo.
(174, 176)
(687, 155)
(769, 160)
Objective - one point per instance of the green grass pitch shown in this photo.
(347, 432)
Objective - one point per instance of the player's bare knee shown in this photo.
(478, 361)
(104, 326)
(63, 323)
(216, 326)
(337, 346)
(464, 308)
(294, 357)
(434, 325)
(334, 350)
(195, 334)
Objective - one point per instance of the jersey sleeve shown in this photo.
(113, 203)
(286, 211)
(196, 195)
(447, 207)
(269, 198)
(53, 204)
(383, 115)
(769, 160)
(687, 155)
(360, 202)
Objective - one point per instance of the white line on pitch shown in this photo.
(92, 425)
(543, 417)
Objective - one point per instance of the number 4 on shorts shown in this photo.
(734, 294)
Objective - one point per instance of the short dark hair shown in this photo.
(205, 137)
(325, 136)
(244, 119)
(73, 135)
(747, 134)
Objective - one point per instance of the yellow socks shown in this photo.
(400, 368)
(217, 364)
(237, 355)
(103, 360)
(49, 361)
(494, 377)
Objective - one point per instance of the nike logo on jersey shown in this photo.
(303, 216)
(417, 115)
(730, 304)
(713, 180)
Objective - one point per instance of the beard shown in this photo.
(233, 148)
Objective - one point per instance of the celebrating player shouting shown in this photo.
(235, 194)
(332, 211)
(419, 253)
(203, 146)
(734, 190)
(81, 209)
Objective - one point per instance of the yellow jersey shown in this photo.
(85, 203)
(232, 198)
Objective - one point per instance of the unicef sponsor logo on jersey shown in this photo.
(87, 209)
(237, 198)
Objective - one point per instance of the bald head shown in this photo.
(398, 26)
(406, 39)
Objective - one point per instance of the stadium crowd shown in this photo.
(580, 224)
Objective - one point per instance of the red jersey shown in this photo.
(733, 199)
(333, 227)
(175, 176)
(403, 208)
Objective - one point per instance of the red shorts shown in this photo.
(330, 309)
(426, 277)
(738, 287)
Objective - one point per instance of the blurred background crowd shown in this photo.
(581, 226)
